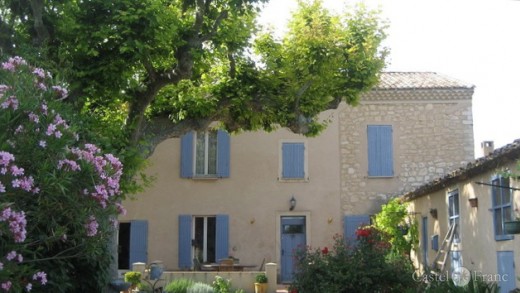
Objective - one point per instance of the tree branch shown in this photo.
(42, 34)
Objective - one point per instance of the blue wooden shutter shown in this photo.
(222, 241)
(380, 150)
(351, 224)
(293, 160)
(138, 241)
(184, 241)
(223, 153)
(187, 155)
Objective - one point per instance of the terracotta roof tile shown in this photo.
(419, 80)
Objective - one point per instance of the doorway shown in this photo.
(293, 237)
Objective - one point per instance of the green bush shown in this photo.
(363, 267)
(200, 288)
(178, 286)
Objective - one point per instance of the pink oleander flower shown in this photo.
(68, 165)
(92, 226)
(12, 102)
(16, 171)
(6, 286)
(34, 118)
(39, 72)
(11, 255)
(40, 276)
(61, 91)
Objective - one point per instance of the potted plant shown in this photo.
(134, 278)
(261, 283)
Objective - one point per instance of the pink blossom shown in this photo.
(68, 165)
(39, 72)
(42, 86)
(11, 255)
(6, 158)
(27, 183)
(91, 226)
(1, 266)
(34, 118)
(61, 91)
(42, 143)
(2, 187)
(16, 171)
(41, 276)
(18, 129)
(7, 286)
(12, 102)
(28, 287)
(120, 209)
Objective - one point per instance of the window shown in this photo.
(293, 161)
(205, 154)
(203, 237)
(502, 211)
(380, 151)
(453, 213)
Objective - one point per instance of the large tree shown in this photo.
(153, 69)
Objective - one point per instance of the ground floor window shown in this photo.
(205, 238)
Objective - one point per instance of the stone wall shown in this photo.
(430, 139)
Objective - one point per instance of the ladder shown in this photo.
(444, 250)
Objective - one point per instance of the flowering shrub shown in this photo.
(59, 195)
(352, 267)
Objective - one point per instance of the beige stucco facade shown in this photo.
(253, 196)
(432, 134)
(478, 245)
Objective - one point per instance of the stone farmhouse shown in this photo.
(258, 196)
(480, 200)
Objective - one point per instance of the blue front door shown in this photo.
(292, 238)
(506, 271)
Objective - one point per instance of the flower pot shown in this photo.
(512, 227)
(260, 287)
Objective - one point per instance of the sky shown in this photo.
(475, 41)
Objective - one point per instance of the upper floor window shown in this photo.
(380, 151)
(454, 213)
(205, 154)
(502, 206)
(293, 165)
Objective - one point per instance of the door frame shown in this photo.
(278, 231)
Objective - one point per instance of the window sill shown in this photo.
(293, 180)
(381, 177)
(205, 177)
(504, 237)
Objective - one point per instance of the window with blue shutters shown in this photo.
(205, 154)
(205, 238)
(138, 242)
(380, 151)
(502, 206)
(293, 161)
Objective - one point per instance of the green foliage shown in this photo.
(394, 221)
(186, 62)
(178, 286)
(221, 285)
(70, 197)
(200, 288)
(361, 267)
(261, 278)
(133, 277)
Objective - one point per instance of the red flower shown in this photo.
(362, 233)
(325, 250)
